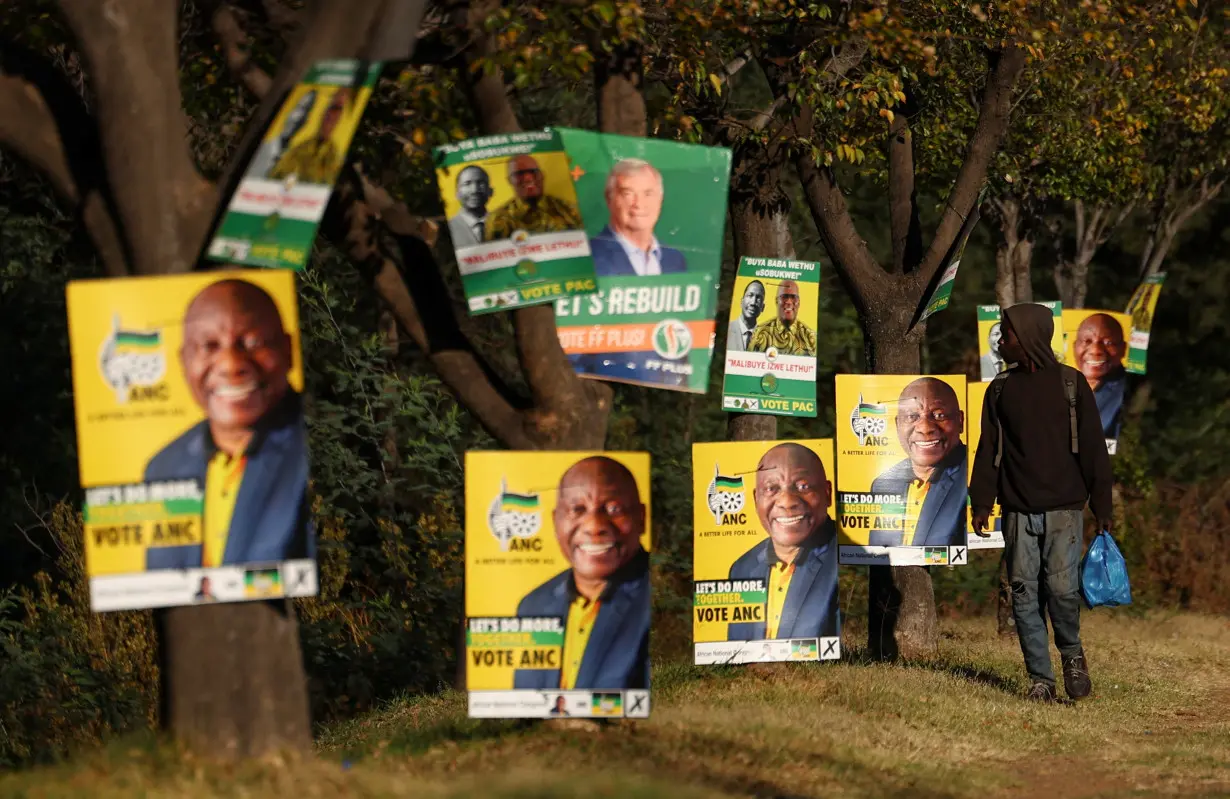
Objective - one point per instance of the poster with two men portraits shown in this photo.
(764, 552)
(557, 592)
(902, 469)
(771, 357)
(191, 440)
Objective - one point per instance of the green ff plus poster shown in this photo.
(273, 214)
(655, 214)
(513, 219)
(771, 338)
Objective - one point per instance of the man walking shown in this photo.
(1043, 455)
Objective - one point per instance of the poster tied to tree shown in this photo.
(557, 596)
(902, 463)
(764, 552)
(513, 219)
(990, 334)
(1095, 343)
(655, 213)
(1140, 311)
(190, 439)
(771, 357)
(976, 398)
(272, 217)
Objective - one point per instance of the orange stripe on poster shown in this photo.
(625, 338)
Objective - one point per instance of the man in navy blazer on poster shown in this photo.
(931, 481)
(627, 246)
(798, 559)
(249, 454)
(603, 601)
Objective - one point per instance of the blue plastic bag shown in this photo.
(1104, 577)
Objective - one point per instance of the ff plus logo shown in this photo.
(672, 339)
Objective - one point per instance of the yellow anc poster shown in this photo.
(902, 494)
(190, 438)
(1096, 344)
(977, 395)
(764, 552)
(557, 584)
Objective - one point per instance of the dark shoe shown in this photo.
(1076, 676)
(1041, 692)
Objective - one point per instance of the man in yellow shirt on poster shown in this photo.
(250, 451)
(798, 558)
(604, 598)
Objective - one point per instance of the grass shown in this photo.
(1158, 724)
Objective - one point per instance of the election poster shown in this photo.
(655, 213)
(976, 397)
(272, 216)
(1140, 311)
(191, 443)
(941, 295)
(1096, 344)
(902, 464)
(557, 597)
(512, 215)
(771, 357)
(990, 361)
(764, 552)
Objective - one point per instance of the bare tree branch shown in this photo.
(990, 129)
(43, 120)
(130, 49)
(235, 44)
(902, 198)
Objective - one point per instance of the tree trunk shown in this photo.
(233, 679)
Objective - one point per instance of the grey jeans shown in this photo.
(1044, 554)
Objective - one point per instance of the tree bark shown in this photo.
(1013, 253)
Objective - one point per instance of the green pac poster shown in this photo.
(1141, 308)
(513, 218)
(655, 213)
(771, 357)
(941, 295)
(272, 216)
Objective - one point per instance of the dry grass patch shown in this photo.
(1158, 724)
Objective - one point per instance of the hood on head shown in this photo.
(1034, 325)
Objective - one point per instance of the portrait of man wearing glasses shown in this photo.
(532, 209)
(785, 333)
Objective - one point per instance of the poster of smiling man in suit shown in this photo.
(557, 583)
(191, 437)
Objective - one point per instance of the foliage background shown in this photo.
(387, 440)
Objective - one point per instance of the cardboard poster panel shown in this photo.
(764, 552)
(771, 356)
(976, 396)
(190, 438)
(655, 213)
(902, 491)
(1140, 309)
(990, 362)
(513, 219)
(273, 215)
(557, 584)
(1095, 343)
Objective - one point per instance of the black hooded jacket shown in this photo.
(1038, 471)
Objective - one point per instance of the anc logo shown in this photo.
(868, 419)
(131, 358)
(672, 339)
(513, 516)
(725, 495)
(768, 384)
